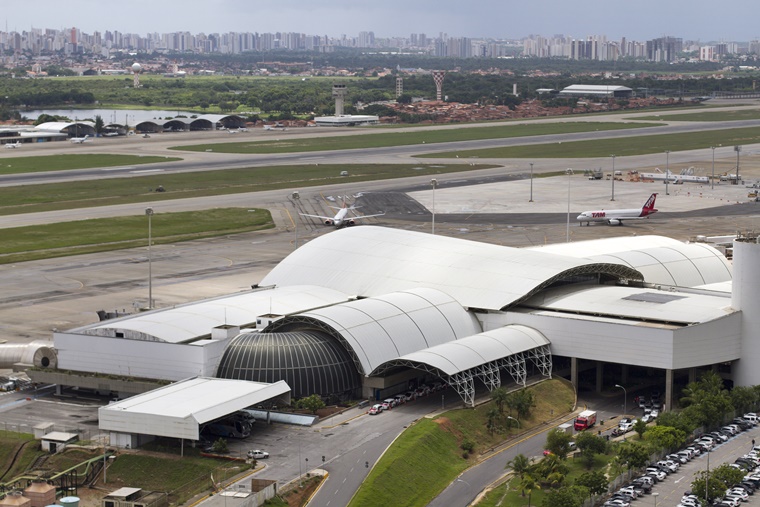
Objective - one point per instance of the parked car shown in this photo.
(391, 402)
(258, 454)
(375, 409)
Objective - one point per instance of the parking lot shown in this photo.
(668, 493)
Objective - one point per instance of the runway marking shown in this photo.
(147, 171)
(129, 167)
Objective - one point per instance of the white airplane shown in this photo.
(80, 140)
(341, 218)
(616, 216)
(11, 146)
(676, 179)
(232, 131)
(276, 126)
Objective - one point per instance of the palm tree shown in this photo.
(528, 484)
(520, 465)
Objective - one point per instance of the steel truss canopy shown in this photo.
(376, 260)
(483, 357)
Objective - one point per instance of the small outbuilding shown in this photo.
(57, 440)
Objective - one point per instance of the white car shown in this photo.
(738, 492)
(258, 454)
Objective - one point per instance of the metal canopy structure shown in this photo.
(482, 356)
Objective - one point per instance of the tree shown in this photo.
(665, 437)
(676, 420)
(640, 427)
(520, 465)
(589, 446)
(311, 403)
(713, 485)
(571, 496)
(558, 442)
(595, 481)
(219, 445)
(527, 484)
(706, 401)
(492, 420)
(633, 454)
(99, 124)
(499, 396)
(744, 398)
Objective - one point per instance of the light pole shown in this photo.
(149, 213)
(613, 177)
(712, 180)
(667, 170)
(531, 182)
(569, 173)
(625, 397)
(296, 198)
(434, 184)
(737, 149)
(515, 420)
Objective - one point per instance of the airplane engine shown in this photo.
(615, 222)
(349, 223)
(329, 222)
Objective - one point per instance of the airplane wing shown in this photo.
(316, 216)
(359, 217)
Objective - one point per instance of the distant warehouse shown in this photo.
(602, 91)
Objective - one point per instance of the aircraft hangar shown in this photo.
(404, 307)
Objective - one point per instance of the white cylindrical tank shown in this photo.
(38, 353)
(745, 296)
(69, 501)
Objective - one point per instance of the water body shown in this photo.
(118, 116)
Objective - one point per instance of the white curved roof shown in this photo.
(661, 260)
(639, 305)
(473, 351)
(370, 261)
(377, 330)
(186, 323)
(59, 126)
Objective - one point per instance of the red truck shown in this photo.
(585, 420)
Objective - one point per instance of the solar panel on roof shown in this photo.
(652, 297)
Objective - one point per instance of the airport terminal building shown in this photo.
(402, 308)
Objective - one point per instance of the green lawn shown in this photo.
(638, 145)
(10, 444)
(106, 192)
(282, 144)
(428, 455)
(19, 165)
(743, 114)
(104, 234)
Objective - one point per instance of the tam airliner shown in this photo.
(616, 216)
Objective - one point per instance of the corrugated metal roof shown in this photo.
(633, 303)
(178, 409)
(377, 330)
(371, 261)
(185, 323)
(661, 260)
(472, 351)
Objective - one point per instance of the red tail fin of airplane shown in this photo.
(649, 205)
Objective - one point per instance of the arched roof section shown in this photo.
(228, 120)
(194, 321)
(201, 124)
(377, 330)
(473, 351)
(76, 128)
(661, 260)
(177, 124)
(372, 261)
(149, 126)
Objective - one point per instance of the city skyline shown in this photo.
(393, 18)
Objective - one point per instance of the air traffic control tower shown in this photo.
(339, 91)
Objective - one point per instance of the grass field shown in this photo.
(640, 145)
(381, 140)
(743, 114)
(106, 192)
(20, 165)
(10, 444)
(428, 455)
(99, 235)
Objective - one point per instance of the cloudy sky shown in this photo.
(637, 20)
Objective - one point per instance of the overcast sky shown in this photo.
(703, 20)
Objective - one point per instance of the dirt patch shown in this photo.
(299, 496)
